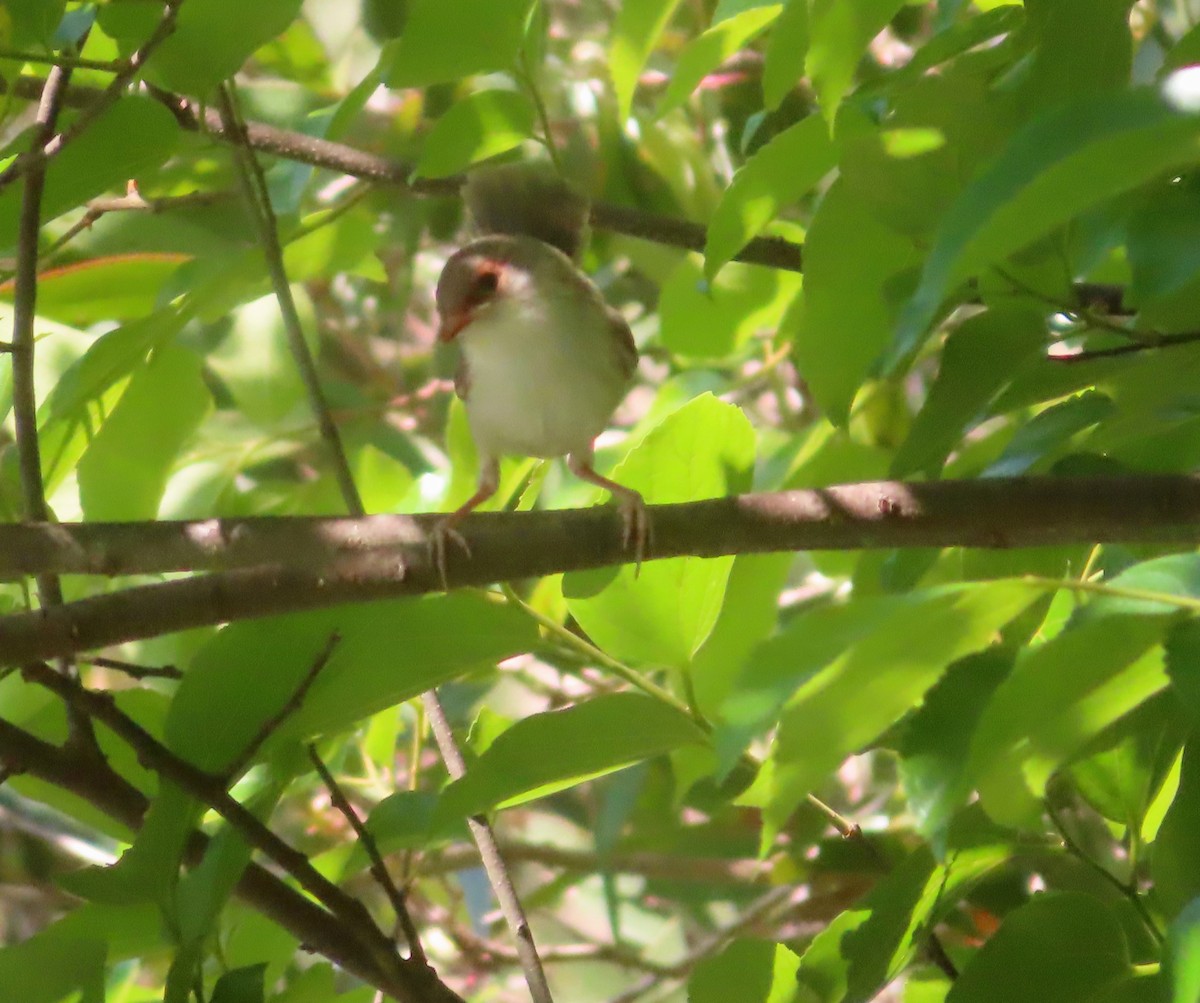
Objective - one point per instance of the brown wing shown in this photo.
(462, 377)
(623, 345)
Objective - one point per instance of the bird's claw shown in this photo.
(636, 533)
(438, 536)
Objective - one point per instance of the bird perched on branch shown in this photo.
(544, 360)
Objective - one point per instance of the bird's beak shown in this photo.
(453, 323)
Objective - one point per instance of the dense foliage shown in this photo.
(855, 240)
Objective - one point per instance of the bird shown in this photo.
(544, 361)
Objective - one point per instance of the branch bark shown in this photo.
(268, 566)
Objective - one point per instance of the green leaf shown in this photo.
(125, 469)
(33, 22)
(887, 929)
(50, 965)
(662, 616)
(1082, 47)
(112, 288)
(1175, 859)
(1172, 575)
(242, 985)
(845, 319)
(1183, 954)
(1049, 433)
(703, 320)
(705, 52)
(1163, 239)
(780, 664)
(135, 135)
(634, 35)
(445, 41)
(937, 739)
(1060, 696)
(548, 752)
(861, 693)
(786, 51)
(742, 971)
(749, 615)
(254, 361)
(211, 40)
(963, 390)
(776, 176)
(226, 696)
(1063, 162)
(839, 33)
(480, 126)
(1023, 962)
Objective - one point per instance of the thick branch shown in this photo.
(278, 565)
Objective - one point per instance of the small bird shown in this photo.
(544, 360)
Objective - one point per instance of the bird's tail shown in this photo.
(527, 200)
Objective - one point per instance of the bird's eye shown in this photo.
(486, 283)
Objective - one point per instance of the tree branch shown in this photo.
(409, 981)
(95, 782)
(270, 566)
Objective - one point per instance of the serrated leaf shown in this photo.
(480, 126)
(1060, 696)
(842, 707)
(776, 176)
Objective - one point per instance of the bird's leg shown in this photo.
(444, 529)
(633, 507)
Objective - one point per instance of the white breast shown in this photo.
(543, 381)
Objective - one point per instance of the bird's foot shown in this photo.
(442, 531)
(636, 534)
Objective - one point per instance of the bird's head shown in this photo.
(484, 274)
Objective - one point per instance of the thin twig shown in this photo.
(1127, 889)
(29, 455)
(132, 670)
(493, 861)
(66, 62)
(52, 146)
(94, 782)
(211, 791)
(290, 706)
(131, 202)
(254, 189)
(378, 869)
